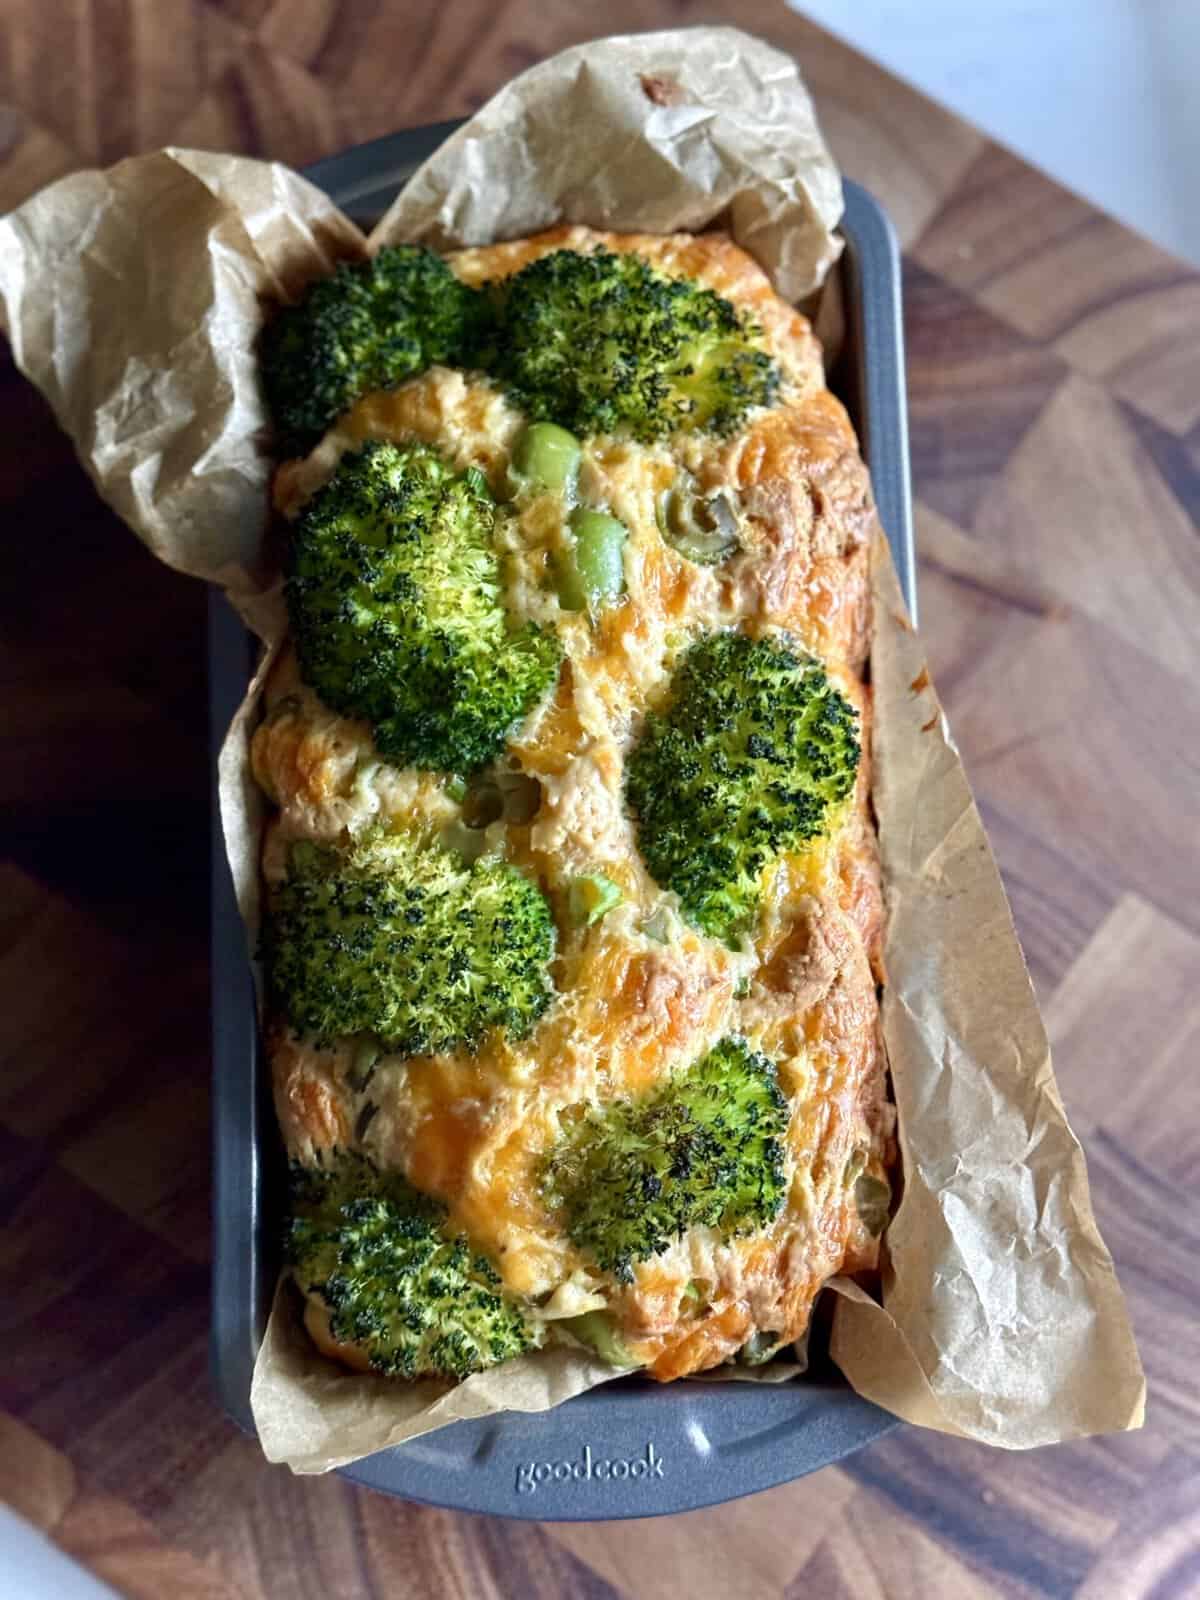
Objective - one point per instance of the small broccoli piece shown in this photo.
(600, 342)
(417, 1299)
(397, 611)
(754, 750)
(596, 1330)
(704, 1149)
(758, 1349)
(369, 326)
(592, 896)
(408, 943)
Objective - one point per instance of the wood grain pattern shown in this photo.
(1055, 384)
(1051, 265)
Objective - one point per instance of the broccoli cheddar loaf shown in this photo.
(573, 906)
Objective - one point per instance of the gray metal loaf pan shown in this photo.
(632, 1448)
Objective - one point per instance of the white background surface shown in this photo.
(31, 1568)
(1102, 94)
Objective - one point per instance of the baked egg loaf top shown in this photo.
(573, 902)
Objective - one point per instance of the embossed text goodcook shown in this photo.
(587, 1469)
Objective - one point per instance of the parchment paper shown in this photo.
(133, 297)
(651, 132)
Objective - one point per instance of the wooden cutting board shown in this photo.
(1055, 390)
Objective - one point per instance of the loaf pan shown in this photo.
(632, 1448)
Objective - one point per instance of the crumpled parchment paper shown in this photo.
(674, 129)
(133, 298)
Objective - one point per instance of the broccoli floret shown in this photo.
(601, 342)
(397, 611)
(747, 761)
(704, 1149)
(369, 326)
(406, 942)
(417, 1299)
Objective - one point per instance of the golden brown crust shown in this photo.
(310, 1102)
(471, 1129)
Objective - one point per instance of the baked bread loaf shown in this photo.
(573, 920)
